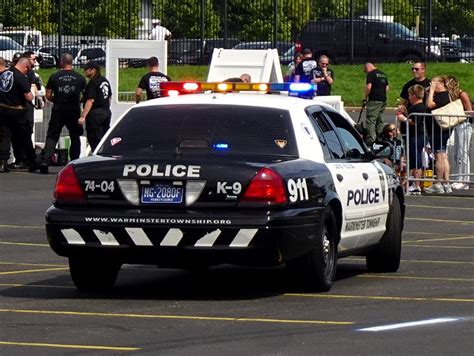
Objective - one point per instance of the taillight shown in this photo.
(298, 46)
(267, 187)
(68, 189)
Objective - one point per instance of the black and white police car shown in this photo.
(217, 177)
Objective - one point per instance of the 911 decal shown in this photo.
(298, 190)
(104, 186)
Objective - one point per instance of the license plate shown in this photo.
(162, 193)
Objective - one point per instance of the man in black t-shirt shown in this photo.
(64, 89)
(304, 71)
(375, 94)
(323, 76)
(418, 70)
(15, 92)
(22, 145)
(96, 111)
(150, 82)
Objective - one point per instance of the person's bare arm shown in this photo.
(85, 111)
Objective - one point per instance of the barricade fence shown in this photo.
(437, 156)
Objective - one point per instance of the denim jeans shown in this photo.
(462, 144)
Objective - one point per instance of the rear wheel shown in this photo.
(92, 274)
(386, 256)
(317, 269)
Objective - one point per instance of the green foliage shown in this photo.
(183, 19)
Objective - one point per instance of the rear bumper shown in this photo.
(245, 238)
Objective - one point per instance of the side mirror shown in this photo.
(382, 149)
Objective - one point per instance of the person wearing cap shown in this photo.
(150, 82)
(15, 92)
(64, 89)
(96, 113)
(159, 33)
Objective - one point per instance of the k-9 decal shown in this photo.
(297, 189)
(103, 186)
(229, 188)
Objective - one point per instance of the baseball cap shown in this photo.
(91, 65)
(16, 57)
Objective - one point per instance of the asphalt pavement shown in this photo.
(424, 308)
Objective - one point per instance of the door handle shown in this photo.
(365, 176)
(339, 177)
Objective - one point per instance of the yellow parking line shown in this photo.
(23, 244)
(21, 226)
(419, 261)
(34, 286)
(182, 317)
(417, 278)
(438, 246)
(470, 222)
(35, 270)
(439, 207)
(369, 297)
(66, 346)
(31, 264)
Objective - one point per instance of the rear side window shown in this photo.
(189, 130)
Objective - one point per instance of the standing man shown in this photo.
(64, 90)
(159, 33)
(15, 92)
(304, 71)
(22, 144)
(150, 82)
(323, 76)
(96, 111)
(375, 94)
(418, 70)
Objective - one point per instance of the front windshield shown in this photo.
(399, 30)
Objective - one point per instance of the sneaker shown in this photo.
(460, 186)
(435, 189)
(447, 188)
(413, 189)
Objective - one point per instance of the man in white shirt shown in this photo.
(159, 33)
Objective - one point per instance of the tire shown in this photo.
(89, 274)
(410, 58)
(386, 256)
(317, 269)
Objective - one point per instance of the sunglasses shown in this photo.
(415, 69)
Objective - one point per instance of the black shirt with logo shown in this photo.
(67, 86)
(13, 87)
(305, 70)
(151, 83)
(425, 83)
(379, 81)
(100, 91)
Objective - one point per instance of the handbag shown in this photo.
(443, 118)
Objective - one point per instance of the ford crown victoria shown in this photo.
(218, 177)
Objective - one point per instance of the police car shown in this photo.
(225, 176)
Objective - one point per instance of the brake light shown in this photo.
(267, 187)
(298, 46)
(68, 189)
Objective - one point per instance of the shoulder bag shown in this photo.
(443, 118)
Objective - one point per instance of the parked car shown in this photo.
(375, 39)
(9, 47)
(81, 54)
(282, 47)
(188, 50)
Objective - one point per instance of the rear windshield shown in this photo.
(173, 130)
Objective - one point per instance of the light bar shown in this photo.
(179, 88)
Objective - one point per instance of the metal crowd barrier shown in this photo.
(459, 150)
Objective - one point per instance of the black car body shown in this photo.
(248, 179)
